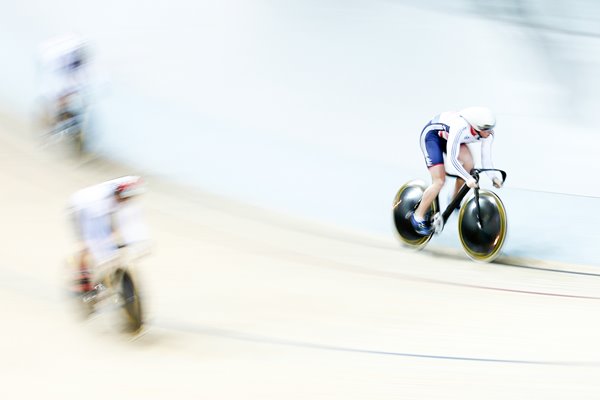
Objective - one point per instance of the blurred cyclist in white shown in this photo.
(450, 132)
(64, 79)
(105, 220)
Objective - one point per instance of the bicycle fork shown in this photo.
(479, 222)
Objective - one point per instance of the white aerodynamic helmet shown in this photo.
(128, 186)
(480, 118)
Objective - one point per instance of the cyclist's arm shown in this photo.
(453, 150)
(486, 157)
(116, 235)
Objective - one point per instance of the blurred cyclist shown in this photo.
(99, 227)
(449, 132)
(64, 79)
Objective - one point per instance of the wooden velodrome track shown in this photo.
(245, 304)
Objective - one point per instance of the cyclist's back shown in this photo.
(94, 210)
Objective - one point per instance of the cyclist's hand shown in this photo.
(472, 183)
(497, 183)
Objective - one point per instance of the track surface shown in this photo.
(244, 304)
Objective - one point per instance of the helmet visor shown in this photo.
(481, 128)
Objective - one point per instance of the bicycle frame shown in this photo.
(463, 192)
(482, 223)
(117, 289)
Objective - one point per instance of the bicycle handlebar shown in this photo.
(476, 171)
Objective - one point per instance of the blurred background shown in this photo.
(313, 108)
(274, 136)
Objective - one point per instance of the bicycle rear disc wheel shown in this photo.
(76, 142)
(483, 232)
(132, 306)
(406, 201)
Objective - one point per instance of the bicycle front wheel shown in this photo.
(131, 303)
(483, 228)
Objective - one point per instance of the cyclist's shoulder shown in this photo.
(448, 118)
(93, 193)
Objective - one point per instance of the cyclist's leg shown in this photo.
(84, 268)
(433, 148)
(83, 280)
(98, 246)
(466, 159)
(438, 178)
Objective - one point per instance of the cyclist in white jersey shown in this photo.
(64, 78)
(448, 133)
(98, 229)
